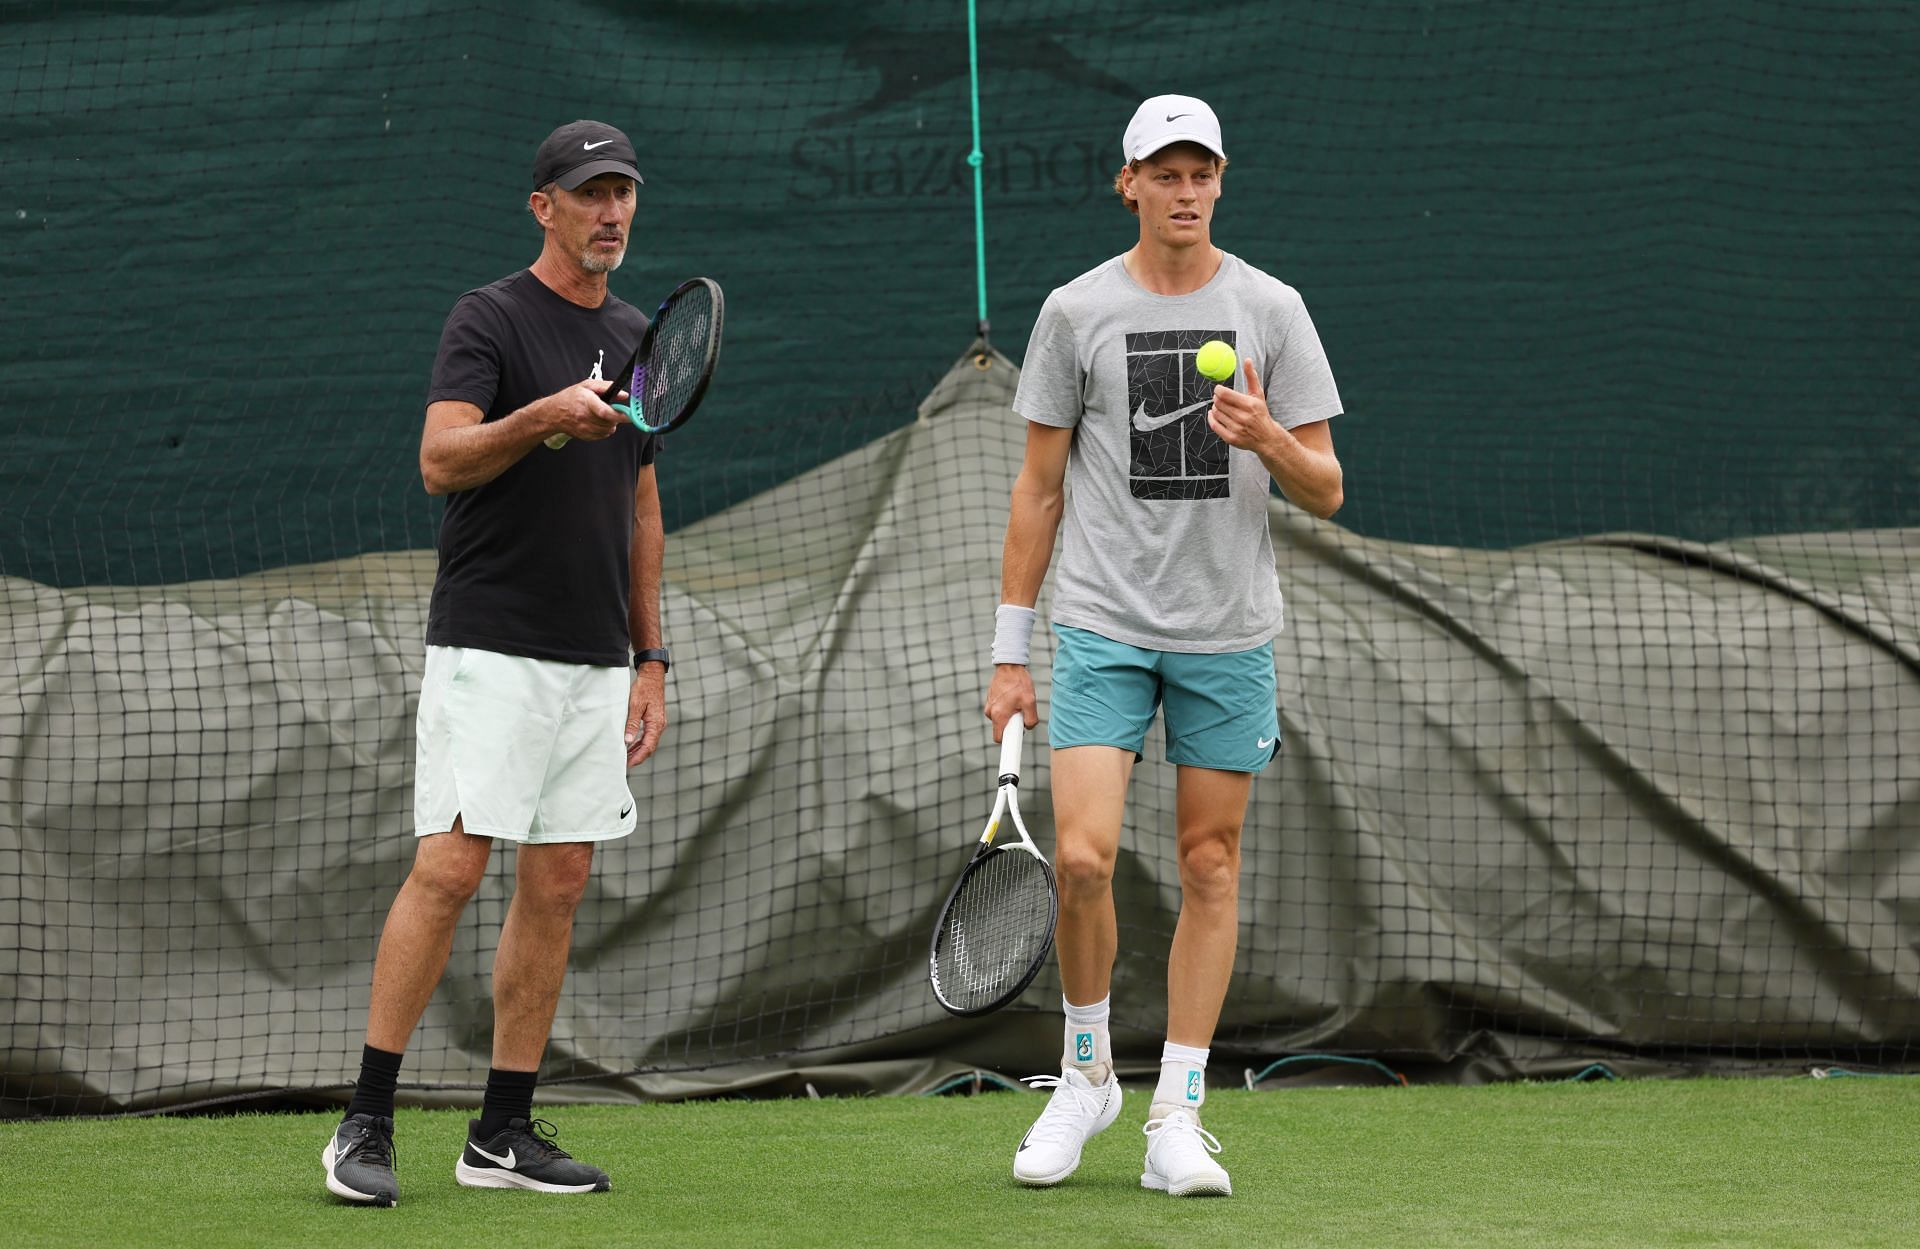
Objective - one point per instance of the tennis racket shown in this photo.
(997, 924)
(671, 367)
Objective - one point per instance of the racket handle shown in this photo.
(558, 441)
(1010, 748)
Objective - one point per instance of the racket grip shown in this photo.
(1010, 747)
(558, 441)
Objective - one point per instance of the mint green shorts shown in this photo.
(1220, 710)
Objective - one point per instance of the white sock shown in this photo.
(1088, 1046)
(1183, 1081)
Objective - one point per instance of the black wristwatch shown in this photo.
(652, 655)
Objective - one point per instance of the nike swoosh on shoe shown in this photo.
(507, 1162)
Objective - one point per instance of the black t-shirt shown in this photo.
(534, 562)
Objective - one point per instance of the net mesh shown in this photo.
(1599, 700)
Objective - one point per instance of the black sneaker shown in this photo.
(523, 1155)
(359, 1161)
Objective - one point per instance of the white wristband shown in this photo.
(1012, 633)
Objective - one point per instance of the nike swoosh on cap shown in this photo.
(1147, 424)
(506, 1162)
(1177, 116)
(604, 142)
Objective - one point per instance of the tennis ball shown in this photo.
(1215, 360)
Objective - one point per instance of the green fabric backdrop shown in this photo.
(1578, 267)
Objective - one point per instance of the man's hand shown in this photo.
(1300, 460)
(1242, 420)
(581, 411)
(646, 713)
(1010, 695)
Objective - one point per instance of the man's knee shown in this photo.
(1210, 867)
(1082, 868)
(555, 875)
(448, 868)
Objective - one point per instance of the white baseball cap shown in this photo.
(1168, 119)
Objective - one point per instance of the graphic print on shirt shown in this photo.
(1174, 453)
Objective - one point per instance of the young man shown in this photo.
(549, 568)
(1166, 596)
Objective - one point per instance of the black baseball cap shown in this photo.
(581, 149)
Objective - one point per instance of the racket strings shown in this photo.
(999, 927)
(668, 378)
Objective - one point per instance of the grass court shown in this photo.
(1710, 1162)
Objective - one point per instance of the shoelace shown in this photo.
(1051, 1126)
(540, 1134)
(374, 1146)
(1177, 1124)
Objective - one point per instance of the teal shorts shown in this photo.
(1220, 708)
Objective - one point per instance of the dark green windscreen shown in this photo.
(1578, 268)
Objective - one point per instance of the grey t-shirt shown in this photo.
(1166, 542)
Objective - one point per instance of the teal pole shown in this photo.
(976, 158)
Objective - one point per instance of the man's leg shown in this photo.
(534, 943)
(418, 936)
(1089, 798)
(1211, 806)
(1089, 795)
(414, 944)
(504, 1150)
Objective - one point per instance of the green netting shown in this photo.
(1641, 266)
(1639, 270)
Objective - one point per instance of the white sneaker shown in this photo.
(1076, 1113)
(1179, 1159)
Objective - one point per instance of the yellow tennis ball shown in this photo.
(1215, 360)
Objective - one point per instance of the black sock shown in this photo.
(509, 1096)
(379, 1072)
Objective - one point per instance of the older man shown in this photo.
(529, 714)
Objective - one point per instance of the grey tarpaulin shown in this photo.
(1615, 797)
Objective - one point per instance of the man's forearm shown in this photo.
(1311, 479)
(1033, 520)
(466, 456)
(643, 596)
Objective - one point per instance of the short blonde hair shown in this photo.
(1119, 179)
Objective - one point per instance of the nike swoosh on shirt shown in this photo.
(626, 810)
(1147, 424)
(1263, 743)
(591, 146)
(506, 1162)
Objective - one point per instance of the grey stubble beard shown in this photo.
(594, 263)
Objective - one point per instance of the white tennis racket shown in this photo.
(996, 928)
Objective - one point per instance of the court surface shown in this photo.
(1757, 1162)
